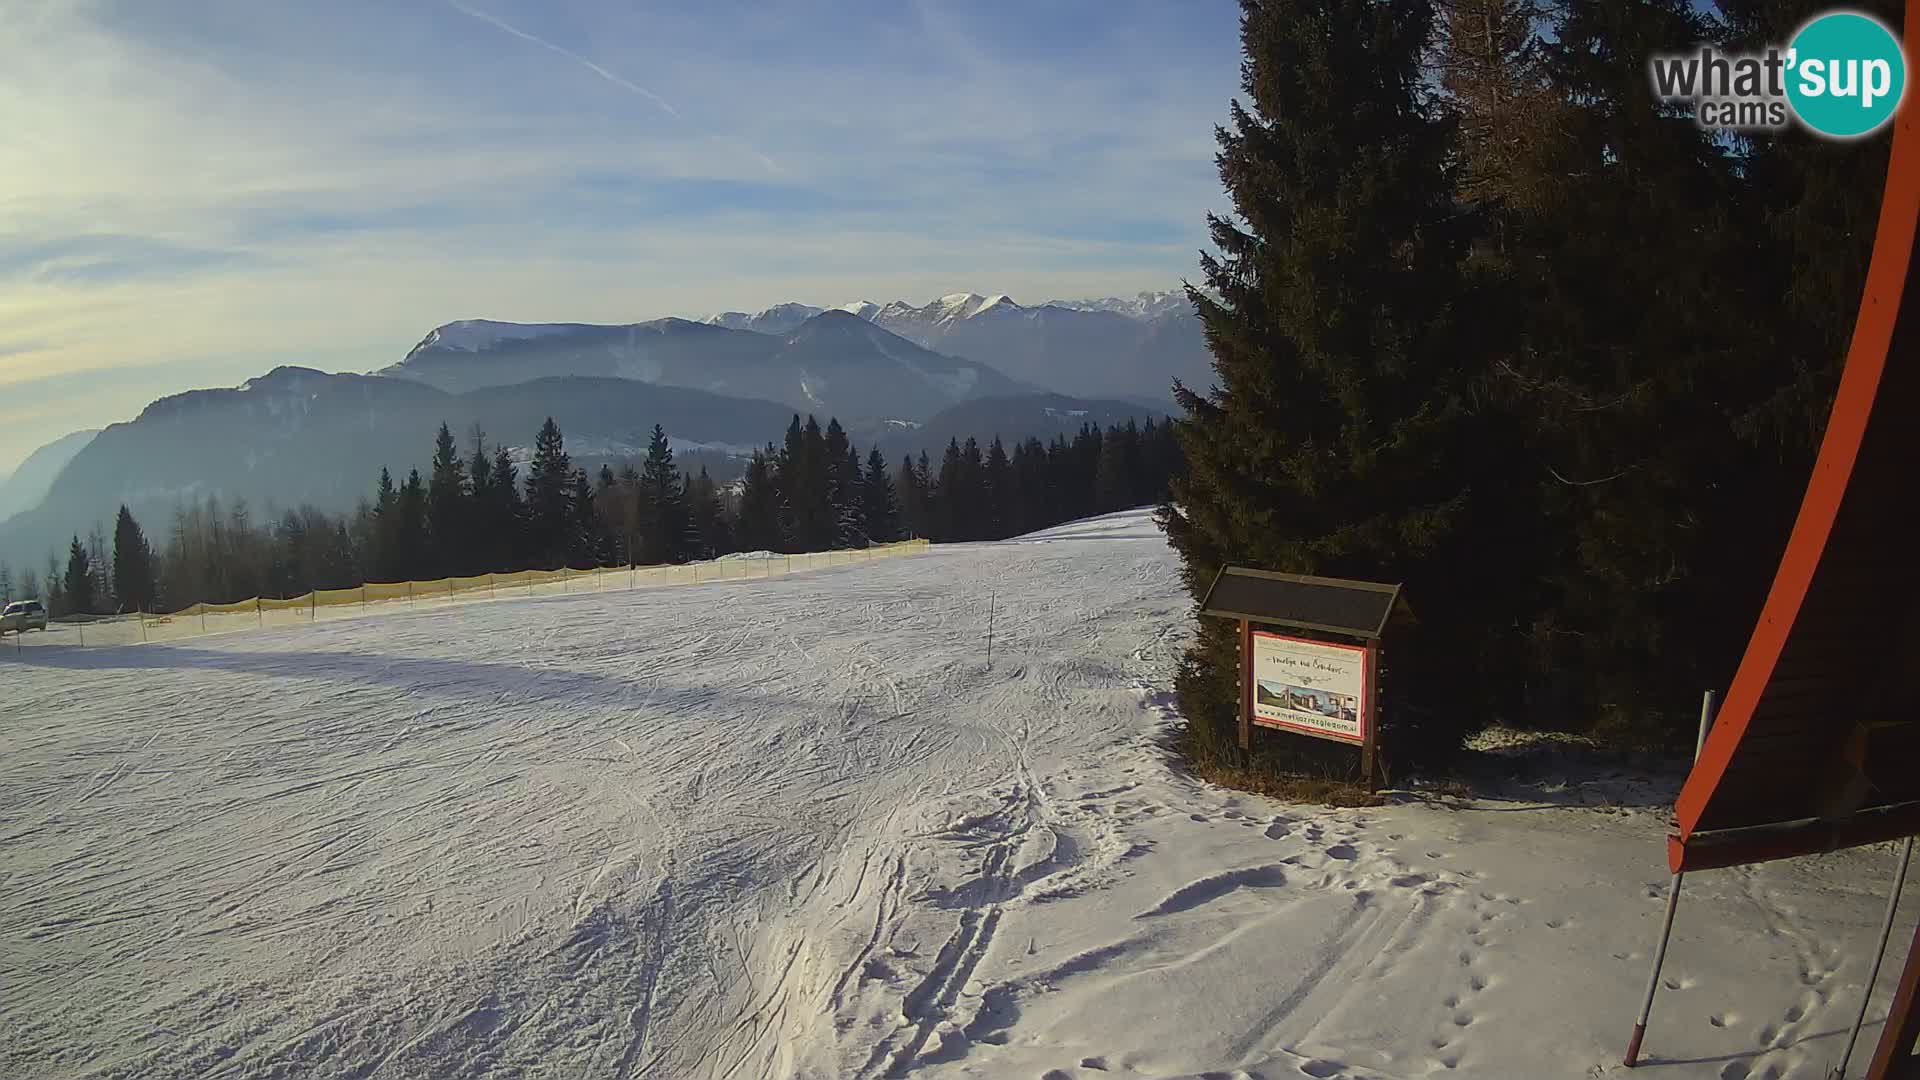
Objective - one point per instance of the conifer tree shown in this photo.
(414, 546)
(56, 592)
(506, 536)
(708, 532)
(549, 509)
(878, 502)
(850, 531)
(387, 558)
(996, 489)
(1326, 446)
(132, 564)
(664, 500)
(480, 508)
(913, 497)
(585, 544)
(805, 488)
(760, 525)
(78, 584)
(951, 502)
(448, 524)
(843, 488)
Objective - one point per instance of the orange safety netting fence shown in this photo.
(323, 604)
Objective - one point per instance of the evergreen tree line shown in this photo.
(473, 513)
(1492, 321)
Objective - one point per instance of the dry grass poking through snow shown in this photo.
(1298, 789)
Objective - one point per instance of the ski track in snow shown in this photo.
(798, 827)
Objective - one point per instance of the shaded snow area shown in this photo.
(799, 828)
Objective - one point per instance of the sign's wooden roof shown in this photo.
(1335, 605)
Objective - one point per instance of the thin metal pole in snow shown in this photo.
(1632, 1057)
(991, 596)
(1886, 931)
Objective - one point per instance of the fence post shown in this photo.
(489, 584)
(259, 618)
(82, 627)
(143, 624)
(203, 616)
(313, 604)
(363, 594)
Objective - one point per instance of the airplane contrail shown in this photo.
(568, 53)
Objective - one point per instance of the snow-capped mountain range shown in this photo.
(916, 358)
(1129, 347)
(904, 318)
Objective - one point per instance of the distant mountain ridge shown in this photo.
(296, 436)
(830, 361)
(29, 483)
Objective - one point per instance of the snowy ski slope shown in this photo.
(798, 827)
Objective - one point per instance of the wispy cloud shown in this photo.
(568, 53)
(202, 189)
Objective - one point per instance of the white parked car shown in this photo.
(22, 616)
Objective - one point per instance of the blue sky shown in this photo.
(199, 190)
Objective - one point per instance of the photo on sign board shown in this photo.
(1306, 699)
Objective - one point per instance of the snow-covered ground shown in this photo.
(799, 827)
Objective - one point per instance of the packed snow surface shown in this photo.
(800, 827)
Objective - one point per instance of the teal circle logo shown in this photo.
(1846, 75)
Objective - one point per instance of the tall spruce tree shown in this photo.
(708, 531)
(549, 506)
(1660, 526)
(843, 488)
(805, 488)
(586, 546)
(132, 564)
(851, 531)
(480, 506)
(759, 525)
(664, 498)
(506, 517)
(78, 583)
(878, 501)
(996, 488)
(913, 497)
(387, 557)
(448, 524)
(414, 546)
(1328, 445)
